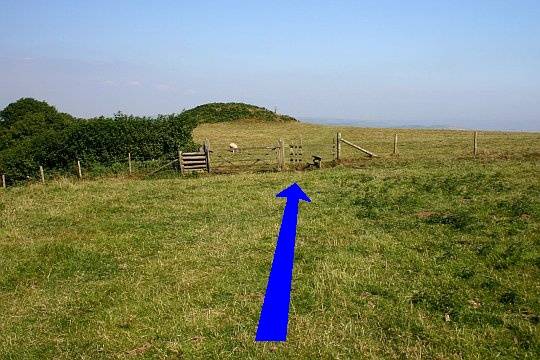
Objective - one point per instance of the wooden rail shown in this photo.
(163, 167)
(358, 148)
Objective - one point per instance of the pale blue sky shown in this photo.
(473, 64)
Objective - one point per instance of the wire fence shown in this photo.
(306, 153)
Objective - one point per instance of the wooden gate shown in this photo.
(296, 155)
(195, 161)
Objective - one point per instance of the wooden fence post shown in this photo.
(395, 144)
(281, 155)
(207, 154)
(4, 181)
(278, 155)
(180, 162)
(129, 162)
(79, 169)
(475, 143)
(42, 174)
(338, 146)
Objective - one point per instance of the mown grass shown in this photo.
(433, 257)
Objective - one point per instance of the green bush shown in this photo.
(32, 133)
(109, 140)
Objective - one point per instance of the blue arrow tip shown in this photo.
(294, 191)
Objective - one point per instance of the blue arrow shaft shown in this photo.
(275, 310)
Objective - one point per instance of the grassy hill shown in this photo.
(226, 112)
(430, 254)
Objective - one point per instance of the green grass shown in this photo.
(431, 254)
(414, 145)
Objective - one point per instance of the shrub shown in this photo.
(32, 133)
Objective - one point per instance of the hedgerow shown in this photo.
(33, 133)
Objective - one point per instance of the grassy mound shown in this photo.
(226, 112)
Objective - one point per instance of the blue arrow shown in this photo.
(275, 310)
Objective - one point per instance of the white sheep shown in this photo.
(233, 147)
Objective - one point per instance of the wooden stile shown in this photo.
(195, 160)
(195, 167)
(207, 154)
(180, 162)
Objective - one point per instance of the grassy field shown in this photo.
(412, 144)
(430, 254)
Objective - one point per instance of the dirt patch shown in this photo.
(139, 350)
(424, 214)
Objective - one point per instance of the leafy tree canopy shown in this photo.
(28, 117)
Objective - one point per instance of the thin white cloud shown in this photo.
(164, 87)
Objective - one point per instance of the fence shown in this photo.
(282, 155)
(269, 157)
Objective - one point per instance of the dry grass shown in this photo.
(412, 144)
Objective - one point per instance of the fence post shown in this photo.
(129, 162)
(338, 146)
(181, 164)
(292, 152)
(207, 153)
(278, 155)
(42, 174)
(395, 144)
(4, 181)
(301, 151)
(281, 155)
(79, 169)
(475, 143)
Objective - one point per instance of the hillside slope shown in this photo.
(226, 112)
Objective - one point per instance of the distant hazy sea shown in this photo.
(404, 125)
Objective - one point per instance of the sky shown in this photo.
(464, 64)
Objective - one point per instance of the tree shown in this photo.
(28, 117)
(21, 108)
